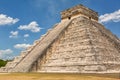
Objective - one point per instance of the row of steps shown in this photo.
(10, 65)
(26, 64)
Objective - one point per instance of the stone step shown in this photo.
(8, 64)
(18, 58)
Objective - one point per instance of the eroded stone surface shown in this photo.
(82, 47)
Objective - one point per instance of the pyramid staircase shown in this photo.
(43, 44)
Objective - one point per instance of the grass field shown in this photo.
(43, 76)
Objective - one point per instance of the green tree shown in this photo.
(3, 63)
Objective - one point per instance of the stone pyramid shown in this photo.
(78, 44)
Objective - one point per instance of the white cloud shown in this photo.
(6, 54)
(6, 20)
(32, 26)
(26, 35)
(21, 46)
(115, 17)
(14, 34)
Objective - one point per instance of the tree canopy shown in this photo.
(3, 63)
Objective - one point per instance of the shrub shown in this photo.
(3, 63)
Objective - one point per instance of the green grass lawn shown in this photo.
(48, 76)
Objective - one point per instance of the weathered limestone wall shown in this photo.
(80, 48)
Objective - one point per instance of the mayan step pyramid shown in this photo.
(78, 44)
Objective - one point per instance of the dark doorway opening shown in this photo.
(90, 18)
(69, 18)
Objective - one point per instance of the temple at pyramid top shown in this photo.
(79, 10)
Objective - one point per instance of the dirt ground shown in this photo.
(43, 76)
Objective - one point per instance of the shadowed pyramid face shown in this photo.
(78, 44)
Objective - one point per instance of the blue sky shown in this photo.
(23, 21)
